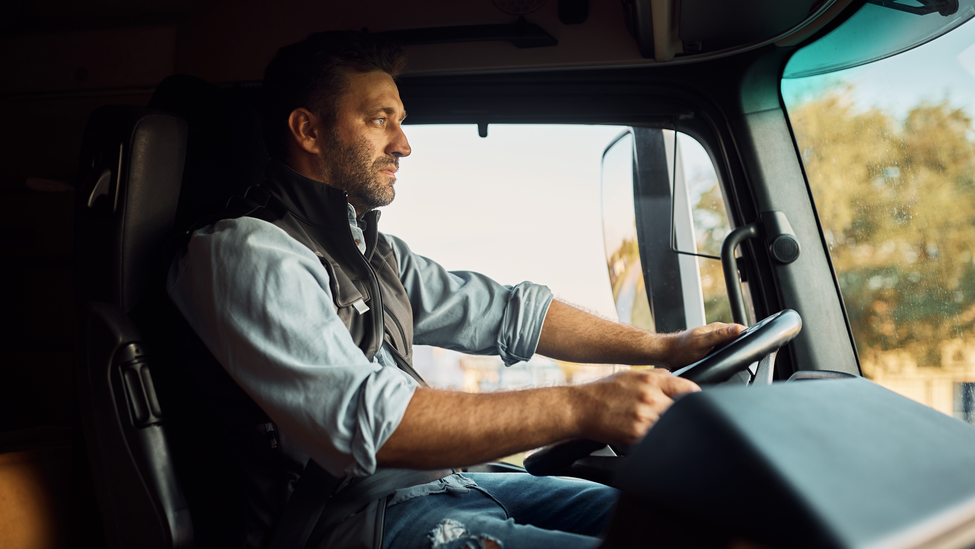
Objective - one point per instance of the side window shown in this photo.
(520, 204)
(890, 160)
(626, 273)
(709, 220)
(664, 219)
(524, 204)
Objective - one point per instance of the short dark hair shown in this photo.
(313, 74)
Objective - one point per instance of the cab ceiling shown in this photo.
(232, 40)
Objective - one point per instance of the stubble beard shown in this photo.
(350, 168)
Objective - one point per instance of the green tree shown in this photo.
(896, 201)
(711, 227)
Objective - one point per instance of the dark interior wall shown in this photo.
(53, 80)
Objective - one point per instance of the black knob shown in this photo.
(785, 248)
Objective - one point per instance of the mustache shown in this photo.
(386, 161)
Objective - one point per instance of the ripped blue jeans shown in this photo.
(512, 510)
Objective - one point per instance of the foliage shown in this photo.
(717, 308)
(628, 284)
(896, 201)
(711, 228)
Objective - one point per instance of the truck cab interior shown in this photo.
(739, 169)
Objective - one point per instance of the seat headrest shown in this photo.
(130, 169)
(225, 148)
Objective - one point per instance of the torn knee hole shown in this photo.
(450, 534)
(490, 543)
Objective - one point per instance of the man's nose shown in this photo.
(399, 146)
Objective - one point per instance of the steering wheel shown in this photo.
(572, 457)
(753, 343)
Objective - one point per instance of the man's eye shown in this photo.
(380, 121)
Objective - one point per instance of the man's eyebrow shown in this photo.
(389, 111)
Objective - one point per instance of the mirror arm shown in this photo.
(942, 7)
(730, 266)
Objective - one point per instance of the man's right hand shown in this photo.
(619, 409)
(452, 429)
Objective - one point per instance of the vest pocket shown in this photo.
(345, 292)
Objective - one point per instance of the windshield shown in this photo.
(889, 152)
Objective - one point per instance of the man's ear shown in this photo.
(306, 130)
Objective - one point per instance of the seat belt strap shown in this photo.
(364, 490)
(309, 498)
(313, 508)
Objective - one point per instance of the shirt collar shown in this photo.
(360, 239)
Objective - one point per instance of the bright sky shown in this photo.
(521, 204)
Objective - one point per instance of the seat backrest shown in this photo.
(129, 180)
(134, 197)
(130, 171)
(225, 154)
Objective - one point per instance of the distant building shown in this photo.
(949, 388)
(439, 367)
(448, 369)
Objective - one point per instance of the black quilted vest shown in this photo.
(369, 298)
(317, 216)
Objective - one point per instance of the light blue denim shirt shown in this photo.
(261, 303)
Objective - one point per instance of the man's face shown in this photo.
(363, 149)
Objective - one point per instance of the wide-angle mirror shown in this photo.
(664, 220)
(619, 235)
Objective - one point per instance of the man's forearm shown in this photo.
(577, 336)
(449, 429)
(574, 335)
(453, 429)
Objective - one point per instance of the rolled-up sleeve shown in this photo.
(261, 303)
(469, 312)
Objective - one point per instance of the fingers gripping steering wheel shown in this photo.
(754, 343)
(764, 337)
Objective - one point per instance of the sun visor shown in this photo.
(880, 29)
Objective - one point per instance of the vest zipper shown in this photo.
(378, 309)
(377, 306)
(380, 312)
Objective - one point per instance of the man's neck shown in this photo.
(305, 165)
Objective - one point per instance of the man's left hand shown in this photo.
(689, 346)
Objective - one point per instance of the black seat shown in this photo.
(130, 169)
(174, 484)
(225, 154)
(135, 196)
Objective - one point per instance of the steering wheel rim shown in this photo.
(760, 339)
(763, 337)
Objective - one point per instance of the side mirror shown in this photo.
(653, 286)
